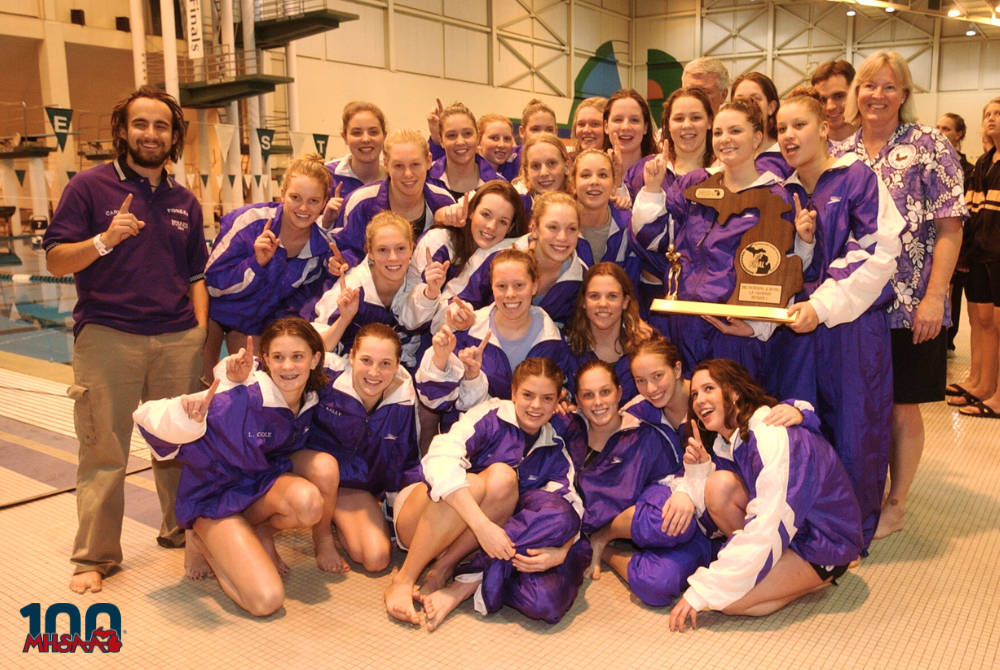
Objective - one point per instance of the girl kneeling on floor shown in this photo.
(787, 507)
(366, 420)
(237, 489)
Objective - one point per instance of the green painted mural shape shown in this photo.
(663, 77)
(599, 77)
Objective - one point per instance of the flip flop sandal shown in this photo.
(964, 400)
(954, 390)
(983, 410)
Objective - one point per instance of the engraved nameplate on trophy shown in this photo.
(766, 277)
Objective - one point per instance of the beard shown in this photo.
(146, 158)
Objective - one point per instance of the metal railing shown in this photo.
(280, 9)
(22, 119)
(219, 64)
(90, 130)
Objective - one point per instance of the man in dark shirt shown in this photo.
(833, 82)
(134, 241)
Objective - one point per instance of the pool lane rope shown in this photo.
(36, 279)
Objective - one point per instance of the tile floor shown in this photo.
(927, 597)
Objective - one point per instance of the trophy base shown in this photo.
(752, 312)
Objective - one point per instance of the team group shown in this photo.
(449, 345)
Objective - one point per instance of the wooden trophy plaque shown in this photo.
(766, 277)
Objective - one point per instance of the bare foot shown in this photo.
(328, 558)
(399, 602)
(81, 581)
(266, 536)
(891, 520)
(434, 580)
(195, 563)
(442, 602)
(594, 571)
(854, 564)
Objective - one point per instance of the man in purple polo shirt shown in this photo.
(133, 239)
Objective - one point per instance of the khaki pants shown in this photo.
(113, 371)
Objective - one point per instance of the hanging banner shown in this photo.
(70, 174)
(50, 175)
(299, 141)
(204, 180)
(60, 118)
(321, 142)
(246, 180)
(265, 136)
(218, 180)
(196, 45)
(224, 132)
(232, 180)
(20, 176)
(192, 177)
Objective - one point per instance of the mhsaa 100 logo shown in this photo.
(108, 641)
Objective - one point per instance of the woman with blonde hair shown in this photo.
(496, 145)
(406, 192)
(544, 168)
(924, 177)
(587, 131)
(604, 227)
(270, 260)
(375, 288)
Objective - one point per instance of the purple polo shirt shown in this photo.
(141, 286)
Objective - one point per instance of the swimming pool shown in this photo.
(36, 320)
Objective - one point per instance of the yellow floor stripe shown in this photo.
(64, 456)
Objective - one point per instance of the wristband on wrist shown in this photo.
(101, 247)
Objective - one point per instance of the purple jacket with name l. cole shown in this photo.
(233, 457)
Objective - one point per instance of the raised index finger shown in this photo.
(249, 354)
(336, 191)
(336, 252)
(267, 227)
(798, 203)
(440, 106)
(208, 396)
(430, 257)
(695, 433)
(486, 340)
(125, 205)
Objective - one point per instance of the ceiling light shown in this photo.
(890, 10)
(971, 32)
(851, 12)
(954, 13)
